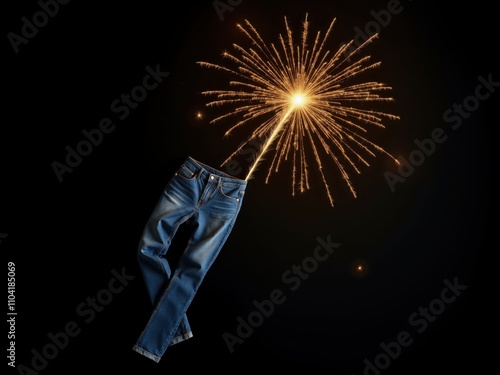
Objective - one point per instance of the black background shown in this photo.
(66, 237)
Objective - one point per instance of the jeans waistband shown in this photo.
(203, 169)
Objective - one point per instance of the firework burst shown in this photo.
(304, 104)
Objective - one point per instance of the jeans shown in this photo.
(209, 201)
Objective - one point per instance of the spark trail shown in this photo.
(303, 99)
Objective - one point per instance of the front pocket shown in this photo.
(231, 191)
(185, 173)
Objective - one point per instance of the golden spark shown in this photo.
(303, 99)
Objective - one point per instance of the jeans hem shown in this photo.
(147, 354)
(180, 338)
(154, 357)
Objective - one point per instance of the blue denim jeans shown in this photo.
(210, 201)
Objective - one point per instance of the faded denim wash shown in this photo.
(209, 201)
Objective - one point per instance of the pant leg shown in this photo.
(216, 209)
(173, 209)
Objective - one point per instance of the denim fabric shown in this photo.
(210, 200)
